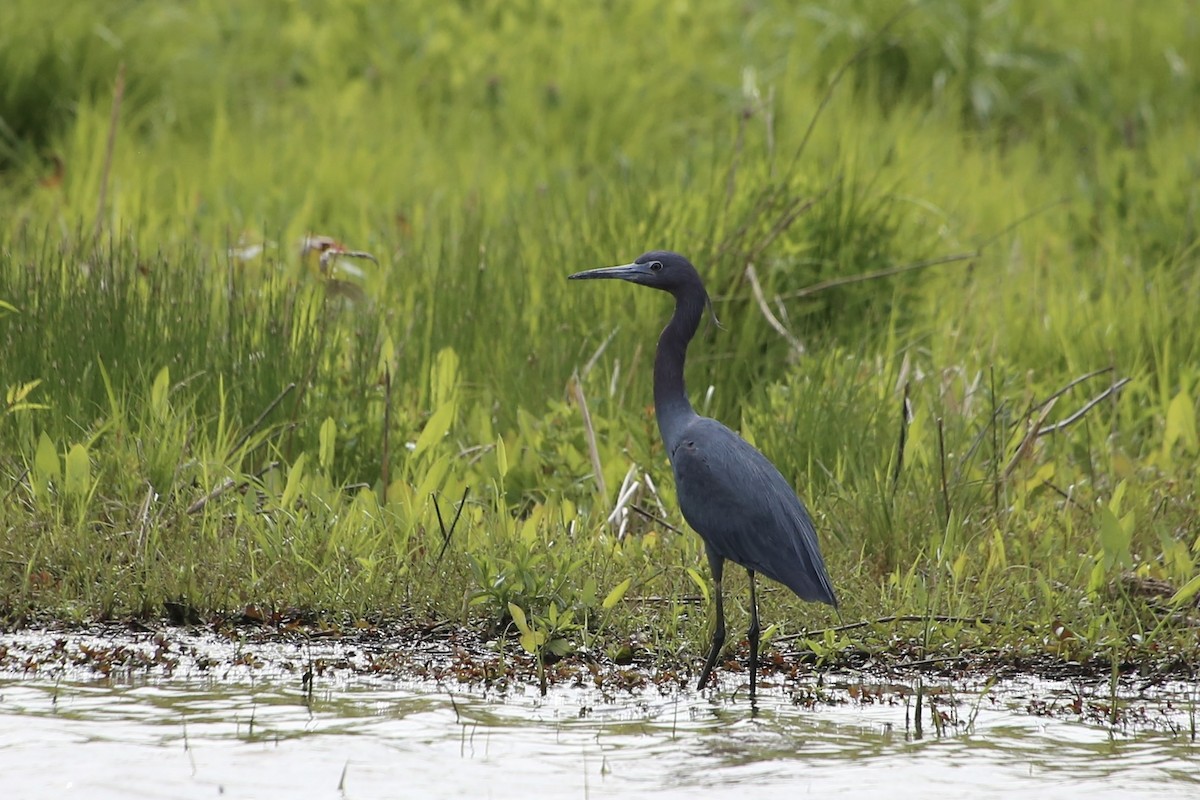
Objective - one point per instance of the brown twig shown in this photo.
(902, 618)
(1072, 384)
(1065, 495)
(978, 440)
(143, 517)
(259, 419)
(792, 210)
(833, 283)
(905, 419)
(654, 518)
(1078, 415)
(1030, 436)
(772, 320)
(797, 207)
(226, 485)
(688, 599)
(223, 487)
(591, 362)
(927, 662)
(447, 534)
(16, 483)
(593, 450)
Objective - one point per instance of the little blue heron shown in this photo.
(728, 491)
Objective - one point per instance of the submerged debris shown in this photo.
(313, 651)
(315, 654)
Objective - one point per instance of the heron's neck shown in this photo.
(671, 404)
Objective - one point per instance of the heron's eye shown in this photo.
(655, 266)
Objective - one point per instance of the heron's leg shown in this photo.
(752, 635)
(717, 564)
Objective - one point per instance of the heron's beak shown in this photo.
(625, 272)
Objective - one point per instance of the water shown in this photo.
(253, 732)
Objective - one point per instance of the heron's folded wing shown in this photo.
(746, 511)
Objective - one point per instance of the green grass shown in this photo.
(186, 425)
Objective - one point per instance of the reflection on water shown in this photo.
(244, 736)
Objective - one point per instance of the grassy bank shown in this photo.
(198, 418)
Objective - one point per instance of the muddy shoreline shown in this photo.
(318, 654)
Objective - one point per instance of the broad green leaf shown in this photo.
(18, 393)
(699, 581)
(26, 407)
(518, 616)
(533, 640)
(114, 408)
(587, 592)
(1175, 555)
(501, 457)
(46, 464)
(79, 471)
(747, 432)
(529, 528)
(530, 429)
(295, 481)
(1180, 424)
(480, 425)
(1044, 473)
(1116, 537)
(445, 377)
(159, 391)
(564, 619)
(618, 593)
(400, 494)
(387, 353)
(327, 439)
(435, 428)
(997, 553)
(1118, 495)
(959, 566)
(15, 398)
(1123, 466)
(432, 480)
(1189, 591)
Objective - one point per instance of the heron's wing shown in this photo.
(746, 511)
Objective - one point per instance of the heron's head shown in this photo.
(660, 269)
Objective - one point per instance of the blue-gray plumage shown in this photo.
(729, 492)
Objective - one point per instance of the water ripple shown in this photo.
(185, 737)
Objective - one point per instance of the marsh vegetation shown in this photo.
(952, 245)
